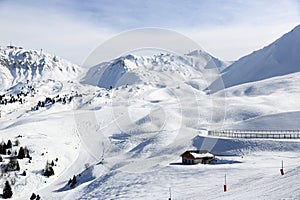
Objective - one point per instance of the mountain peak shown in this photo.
(279, 58)
(19, 65)
(297, 28)
(133, 69)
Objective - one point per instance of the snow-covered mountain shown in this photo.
(144, 114)
(277, 59)
(120, 130)
(132, 69)
(19, 65)
(209, 61)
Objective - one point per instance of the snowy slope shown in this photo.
(125, 142)
(267, 104)
(279, 58)
(133, 124)
(154, 121)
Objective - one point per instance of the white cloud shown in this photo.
(72, 29)
(54, 32)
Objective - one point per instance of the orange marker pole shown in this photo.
(281, 170)
(225, 185)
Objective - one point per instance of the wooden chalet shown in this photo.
(197, 156)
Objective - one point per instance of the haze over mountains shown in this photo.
(120, 126)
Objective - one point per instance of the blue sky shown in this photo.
(227, 29)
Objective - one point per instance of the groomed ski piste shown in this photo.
(126, 142)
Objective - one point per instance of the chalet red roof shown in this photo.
(197, 154)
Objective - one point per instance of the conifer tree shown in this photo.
(9, 144)
(21, 153)
(27, 154)
(3, 148)
(18, 166)
(17, 142)
(33, 196)
(7, 193)
(74, 181)
(13, 164)
(48, 170)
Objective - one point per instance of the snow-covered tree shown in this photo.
(74, 181)
(48, 170)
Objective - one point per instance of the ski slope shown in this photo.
(131, 118)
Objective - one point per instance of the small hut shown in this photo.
(197, 156)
